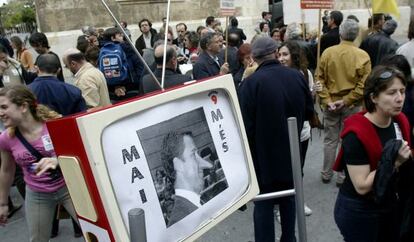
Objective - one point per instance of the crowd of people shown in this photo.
(363, 84)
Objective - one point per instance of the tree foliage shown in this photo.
(17, 12)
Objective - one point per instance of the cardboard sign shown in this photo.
(227, 8)
(317, 4)
(181, 156)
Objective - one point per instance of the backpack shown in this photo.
(113, 64)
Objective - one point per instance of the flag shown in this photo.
(385, 6)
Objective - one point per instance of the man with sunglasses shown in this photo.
(342, 72)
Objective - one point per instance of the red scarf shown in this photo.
(366, 133)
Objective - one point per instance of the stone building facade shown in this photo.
(58, 15)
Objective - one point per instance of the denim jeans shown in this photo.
(264, 219)
(363, 221)
(40, 208)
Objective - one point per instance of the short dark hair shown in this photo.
(82, 44)
(234, 22)
(209, 20)
(206, 40)
(183, 24)
(377, 17)
(193, 38)
(92, 54)
(48, 63)
(264, 13)
(110, 32)
(262, 24)
(375, 84)
(276, 30)
(3, 49)
(125, 23)
(337, 17)
(39, 39)
(411, 29)
(144, 20)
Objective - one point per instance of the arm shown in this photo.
(321, 77)
(361, 178)
(27, 60)
(7, 170)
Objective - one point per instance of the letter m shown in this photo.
(216, 116)
(130, 156)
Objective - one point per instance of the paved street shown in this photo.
(239, 226)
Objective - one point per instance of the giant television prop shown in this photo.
(115, 159)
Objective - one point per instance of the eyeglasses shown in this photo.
(169, 40)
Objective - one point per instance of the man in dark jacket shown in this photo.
(61, 97)
(267, 98)
(208, 64)
(172, 78)
(380, 44)
(148, 36)
(332, 38)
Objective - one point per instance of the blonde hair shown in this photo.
(19, 95)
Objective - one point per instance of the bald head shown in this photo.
(170, 56)
(73, 59)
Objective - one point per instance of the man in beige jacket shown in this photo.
(88, 79)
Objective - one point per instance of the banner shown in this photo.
(386, 6)
(317, 4)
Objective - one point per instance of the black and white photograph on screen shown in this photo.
(184, 165)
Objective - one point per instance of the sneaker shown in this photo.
(308, 211)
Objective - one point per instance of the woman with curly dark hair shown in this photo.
(291, 55)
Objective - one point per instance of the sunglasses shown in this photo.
(389, 73)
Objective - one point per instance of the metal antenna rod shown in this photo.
(164, 59)
(130, 42)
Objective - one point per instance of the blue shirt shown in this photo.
(61, 97)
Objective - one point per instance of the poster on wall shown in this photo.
(182, 162)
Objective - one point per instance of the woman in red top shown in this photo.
(358, 215)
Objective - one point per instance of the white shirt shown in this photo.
(193, 197)
(147, 40)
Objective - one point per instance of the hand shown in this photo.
(403, 154)
(317, 87)
(331, 106)
(4, 211)
(339, 105)
(45, 164)
(224, 68)
(120, 91)
(182, 59)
